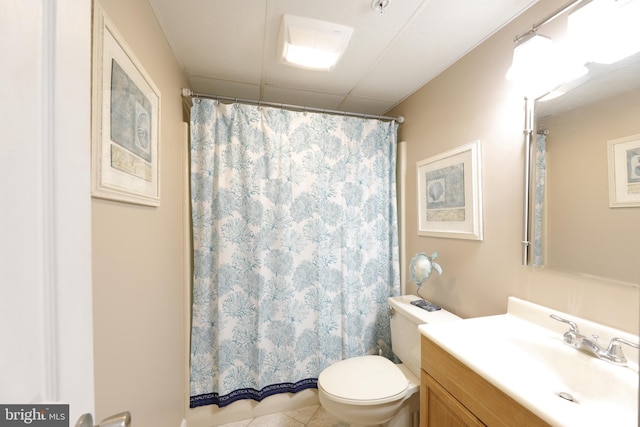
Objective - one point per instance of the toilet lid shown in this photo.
(365, 378)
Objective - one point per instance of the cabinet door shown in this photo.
(438, 408)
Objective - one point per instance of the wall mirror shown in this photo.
(579, 232)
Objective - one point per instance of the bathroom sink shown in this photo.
(522, 353)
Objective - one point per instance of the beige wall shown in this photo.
(473, 100)
(138, 268)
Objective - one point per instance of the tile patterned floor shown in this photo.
(311, 416)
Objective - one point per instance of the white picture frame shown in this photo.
(623, 156)
(450, 194)
(125, 122)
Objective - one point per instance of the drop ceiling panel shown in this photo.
(225, 88)
(373, 33)
(302, 98)
(442, 37)
(367, 105)
(219, 38)
(228, 47)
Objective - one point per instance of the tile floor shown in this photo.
(311, 416)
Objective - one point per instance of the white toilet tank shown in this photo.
(405, 336)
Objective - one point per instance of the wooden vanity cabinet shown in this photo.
(452, 395)
(441, 408)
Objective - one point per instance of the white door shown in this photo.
(46, 349)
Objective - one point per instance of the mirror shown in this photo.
(580, 232)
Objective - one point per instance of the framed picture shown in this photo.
(450, 194)
(126, 121)
(624, 171)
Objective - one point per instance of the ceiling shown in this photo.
(228, 47)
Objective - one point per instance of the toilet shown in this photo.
(373, 391)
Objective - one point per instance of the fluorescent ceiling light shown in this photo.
(311, 43)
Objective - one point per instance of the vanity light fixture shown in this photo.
(311, 43)
(530, 56)
(605, 31)
(539, 65)
(601, 31)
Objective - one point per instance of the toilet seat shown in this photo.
(365, 380)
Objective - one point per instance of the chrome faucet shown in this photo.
(612, 353)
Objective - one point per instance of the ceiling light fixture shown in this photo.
(310, 43)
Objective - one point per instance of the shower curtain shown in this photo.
(295, 247)
(539, 187)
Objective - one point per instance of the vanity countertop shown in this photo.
(522, 353)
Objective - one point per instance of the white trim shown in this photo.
(402, 213)
(47, 141)
(72, 204)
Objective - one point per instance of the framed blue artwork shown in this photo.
(624, 171)
(450, 194)
(125, 123)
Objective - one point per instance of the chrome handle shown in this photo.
(572, 325)
(122, 419)
(623, 341)
(572, 337)
(85, 420)
(614, 352)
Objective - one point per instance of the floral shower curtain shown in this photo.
(295, 246)
(540, 158)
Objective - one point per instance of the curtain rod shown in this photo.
(188, 93)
